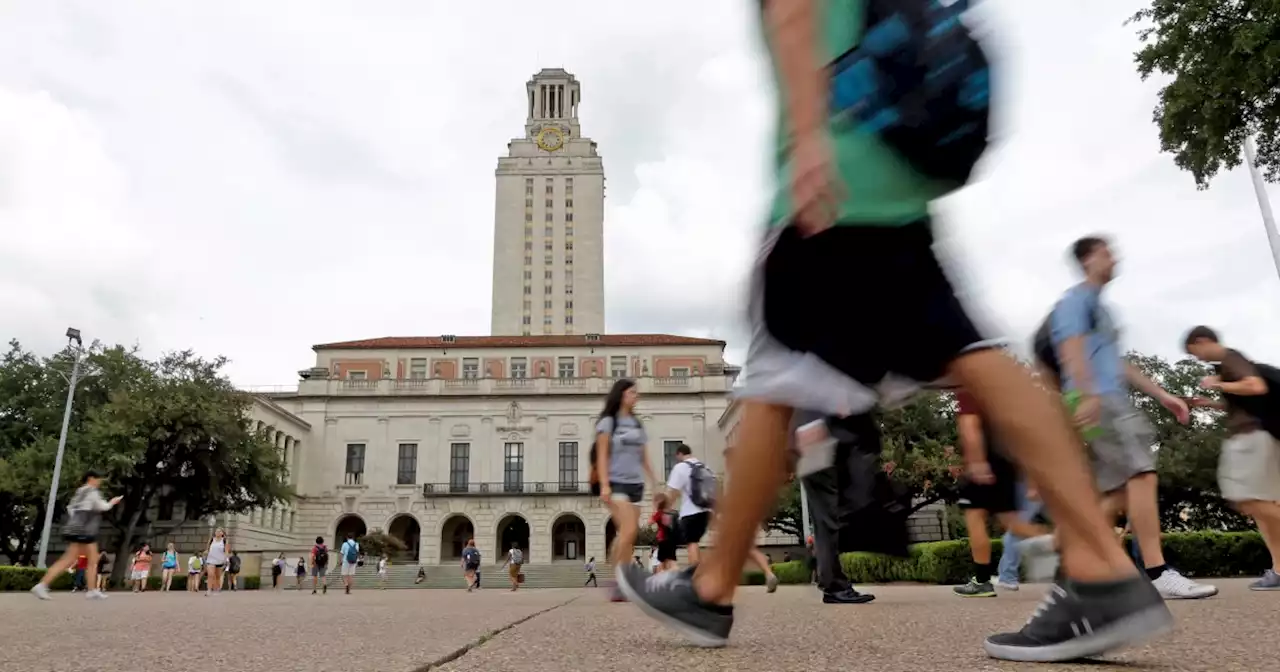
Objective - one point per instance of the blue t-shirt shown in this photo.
(626, 450)
(350, 547)
(170, 560)
(1081, 313)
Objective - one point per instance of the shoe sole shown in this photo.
(869, 598)
(991, 594)
(1191, 597)
(1264, 589)
(698, 637)
(1146, 624)
(771, 586)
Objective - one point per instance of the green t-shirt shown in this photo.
(880, 188)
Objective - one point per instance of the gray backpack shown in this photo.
(517, 556)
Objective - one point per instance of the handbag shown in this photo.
(520, 577)
(81, 521)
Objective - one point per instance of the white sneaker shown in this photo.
(1003, 585)
(95, 595)
(1174, 586)
(41, 591)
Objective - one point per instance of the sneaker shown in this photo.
(95, 595)
(41, 591)
(616, 595)
(975, 588)
(1011, 586)
(771, 583)
(674, 603)
(1078, 620)
(849, 596)
(324, 590)
(1174, 586)
(1269, 581)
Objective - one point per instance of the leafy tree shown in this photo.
(1224, 57)
(788, 517)
(375, 544)
(179, 432)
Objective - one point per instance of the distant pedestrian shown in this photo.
(350, 553)
(383, 562)
(168, 565)
(82, 566)
(233, 569)
(141, 568)
(277, 568)
(104, 575)
(422, 575)
(300, 571)
(471, 565)
(515, 558)
(319, 567)
(590, 569)
(195, 566)
(216, 561)
(84, 518)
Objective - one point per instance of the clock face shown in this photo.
(550, 139)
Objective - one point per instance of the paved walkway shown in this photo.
(909, 628)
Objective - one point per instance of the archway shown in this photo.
(349, 524)
(512, 529)
(568, 538)
(454, 533)
(610, 531)
(406, 528)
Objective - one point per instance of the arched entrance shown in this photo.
(348, 524)
(610, 531)
(454, 533)
(568, 538)
(513, 529)
(406, 528)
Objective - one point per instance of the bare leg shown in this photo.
(1267, 516)
(627, 518)
(1144, 518)
(59, 566)
(975, 520)
(1049, 452)
(758, 558)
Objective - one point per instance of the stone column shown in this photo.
(440, 472)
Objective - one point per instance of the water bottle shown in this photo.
(1072, 399)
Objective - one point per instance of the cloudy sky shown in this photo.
(249, 178)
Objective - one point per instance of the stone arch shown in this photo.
(455, 530)
(513, 528)
(610, 532)
(348, 522)
(406, 528)
(568, 537)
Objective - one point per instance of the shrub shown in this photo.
(179, 582)
(252, 582)
(13, 579)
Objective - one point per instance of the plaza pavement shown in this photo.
(908, 628)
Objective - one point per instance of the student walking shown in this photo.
(515, 559)
(382, 571)
(350, 553)
(277, 568)
(852, 218)
(80, 531)
(233, 570)
(471, 565)
(78, 579)
(620, 459)
(590, 569)
(319, 567)
(300, 572)
(104, 574)
(195, 567)
(168, 565)
(216, 559)
(141, 568)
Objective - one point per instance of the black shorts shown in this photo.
(867, 300)
(694, 527)
(998, 497)
(79, 539)
(632, 492)
(667, 550)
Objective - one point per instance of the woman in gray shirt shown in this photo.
(80, 531)
(621, 464)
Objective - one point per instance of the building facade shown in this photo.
(548, 234)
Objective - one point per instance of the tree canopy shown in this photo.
(1224, 60)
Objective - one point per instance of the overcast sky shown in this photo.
(250, 178)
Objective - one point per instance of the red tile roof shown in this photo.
(426, 342)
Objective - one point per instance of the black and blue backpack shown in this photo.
(920, 80)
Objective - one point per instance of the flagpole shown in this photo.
(1264, 204)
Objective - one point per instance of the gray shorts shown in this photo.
(1124, 450)
(319, 571)
(1249, 468)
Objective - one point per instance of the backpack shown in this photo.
(920, 81)
(352, 553)
(82, 520)
(517, 556)
(702, 485)
(322, 556)
(1266, 407)
(471, 556)
(1042, 342)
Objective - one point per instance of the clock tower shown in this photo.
(548, 234)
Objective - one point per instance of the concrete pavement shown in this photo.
(908, 628)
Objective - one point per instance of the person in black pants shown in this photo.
(824, 488)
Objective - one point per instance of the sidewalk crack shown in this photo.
(466, 648)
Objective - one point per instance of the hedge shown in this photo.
(16, 579)
(1197, 554)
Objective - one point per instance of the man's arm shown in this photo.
(793, 27)
(1142, 383)
(1069, 327)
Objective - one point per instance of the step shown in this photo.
(558, 575)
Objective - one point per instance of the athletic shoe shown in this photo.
(1269, 581)
(1006, 585)
(674, 603)
(975, 588)
(849, 596)
(1040, 558)
(1174, 586)
(1080, 620)
(95, 595)
(771, 583)
(41, 591)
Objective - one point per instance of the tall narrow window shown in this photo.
(407, 464)
(470, 367)
(618, 366)
(513, 468)
(565, 367)
(459, 467)
(669, 455)
(568, 466)
(355, 464)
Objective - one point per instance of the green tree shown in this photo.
(1224, 58)
(375, 544)
(179, 432)
(788, 517)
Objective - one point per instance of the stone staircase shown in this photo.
(546, 575)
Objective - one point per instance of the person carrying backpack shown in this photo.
(471, 565)
(515, 558)
(319, 566)
(350, 561)
(696, 486)
(1249, 465)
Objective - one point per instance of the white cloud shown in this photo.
(250, 179)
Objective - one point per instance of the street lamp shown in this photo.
(77, 349)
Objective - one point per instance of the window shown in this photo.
(355, 463)
(546, 275)
(528, 202)
(357, 375)
(568, 217)
(470, 367)
(679, 372)
(528, 275)
(547, 244)
(550, 189)
(569, 465)
(548, 218)
(513, 468)
(568, 305)
(548, 232)
(568, 260)
(417, 369)
(528, 304)
(528, 245)
(568, 245)
(548, 260)
(549, 203)
(565, 367)
(526, 320)
(568, 230)
(519, 367)
(546, 320)
(459, 466)
(568, 319)
(166, 507)
(528, 290)
(528, 182)
(528, 216)
(568, 202)
(546, 289)
(407, 464)
(669, 455)
(568, 289)
(618, 366)
(546, 305)
(524, 332)
(568, 183)
(528, 260)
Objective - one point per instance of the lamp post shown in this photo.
(77, 349)
(1264, 204)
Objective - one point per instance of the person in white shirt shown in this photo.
(653, 560)
(382, 571)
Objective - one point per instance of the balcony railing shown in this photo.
(508, 386)
(498, 489)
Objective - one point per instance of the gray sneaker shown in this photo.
(1269, 581)
(41, 591)
(673, 602)
(771, 583)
